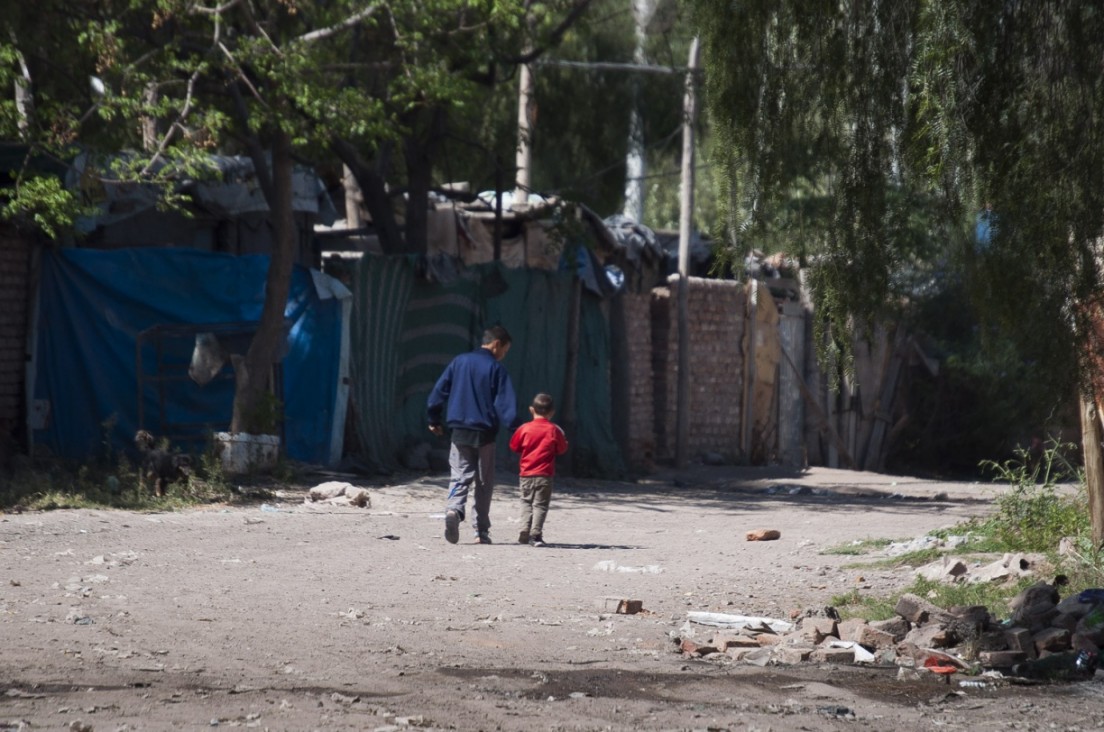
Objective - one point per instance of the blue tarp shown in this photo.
(92, 306)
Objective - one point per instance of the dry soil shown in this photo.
(287, 615)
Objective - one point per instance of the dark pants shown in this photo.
(472, 467)
(536, 494)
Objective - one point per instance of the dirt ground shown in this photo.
(293, 616)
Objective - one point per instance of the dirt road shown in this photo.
(294, 616)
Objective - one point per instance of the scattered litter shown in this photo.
(608, 565)
(861, 654)
(833, 710)
(338, 492)
(269, 508)
(725, 620)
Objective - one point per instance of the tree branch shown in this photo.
(333, 30)
(217, 10)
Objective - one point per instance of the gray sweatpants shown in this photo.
(472, 468)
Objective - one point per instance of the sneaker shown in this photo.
(523, 537)
(483, 538)
(537, 541)
(452, 526)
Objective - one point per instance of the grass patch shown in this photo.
(859, 547)
(854, 604)
(112, 482)
(1032, 517)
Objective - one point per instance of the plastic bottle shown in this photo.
(1068, 666)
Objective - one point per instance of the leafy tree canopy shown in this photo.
(882, 111)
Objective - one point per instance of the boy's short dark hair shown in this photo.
(542, 404)
(496, 333)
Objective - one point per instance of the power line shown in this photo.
(614, 66)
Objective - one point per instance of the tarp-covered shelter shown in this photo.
(406, 329)
(114, 333)
(225, 211)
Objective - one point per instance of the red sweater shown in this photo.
(539, 442)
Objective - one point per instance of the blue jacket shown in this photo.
(478, 391)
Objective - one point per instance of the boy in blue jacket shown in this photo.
(481, 400)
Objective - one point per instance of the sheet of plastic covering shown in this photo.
(406, 329)
(93, 307)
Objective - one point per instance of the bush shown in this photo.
(1035, 515)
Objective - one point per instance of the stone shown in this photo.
(620, 606)
(725, 641)
(1001, 659)
(817, 629)
(916, 609)
(1052, 640)
(833, 655)
(1080, 642)
(691, 648)
(897, 627)
(764, 535)
(1019, 639)
(851, 629)
(931, 636)
(993, 640)
(794, 654)
(876, 639)
(1064, 620)
(1038, 592)
(1036, 616)
(947, 569)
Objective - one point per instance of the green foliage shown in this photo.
(968, 103)
(1035, 515)
(855, 604)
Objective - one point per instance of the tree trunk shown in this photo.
(253, 371)
(1094, 467)
(420, 152)
(376, 199)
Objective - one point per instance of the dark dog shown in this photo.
(159, 466)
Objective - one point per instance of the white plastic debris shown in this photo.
(725, 620)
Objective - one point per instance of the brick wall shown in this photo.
(14, 277)
(716, 310)
(641, 391)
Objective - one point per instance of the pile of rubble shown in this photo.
(1045, 637)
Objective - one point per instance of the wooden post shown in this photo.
(1094, 467)
(571, 368)
(686, 213)
(750, 335)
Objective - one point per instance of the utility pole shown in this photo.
(686, 210)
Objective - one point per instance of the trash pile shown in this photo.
(1044, 638)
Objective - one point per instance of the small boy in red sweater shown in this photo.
(539, 442)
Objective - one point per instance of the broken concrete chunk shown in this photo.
(833, 655)
(817, 629)
(947, 569)
(897, 627)
(851, 629)
(1052, 640)
(916, 609)
(871, 637)
(764, 535)
(620, 606)
(1001, 659)
(794, 654)
(728, 641)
